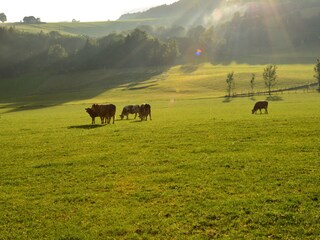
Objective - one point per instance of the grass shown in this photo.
(93, 29)
(203, 168)
(151, 84)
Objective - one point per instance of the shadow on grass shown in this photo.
(136, 121)
(87, 126)
(56, 89)
(274, 98)
(189, 68)
(227, 99)
(252, 98)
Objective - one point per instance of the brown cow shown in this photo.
(105, 112)
(145, 110)
(260, 105)
(92, 114)
(130, 109)
(96, 108)
(110, 112)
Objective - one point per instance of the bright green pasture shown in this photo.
(201, 169)
(145, 84)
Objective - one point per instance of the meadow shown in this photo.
(203, 168)
(93, 29)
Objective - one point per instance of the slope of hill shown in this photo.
(143, 84)
(212, 12)
(92, 29)
(183, 12)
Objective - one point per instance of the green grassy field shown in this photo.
(93, 29)
(203, 168)
(198, 80)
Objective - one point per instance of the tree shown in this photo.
(230, 83)
(170, 52)
(252, 82)
(3, 17)
(57, 52)
(270, 77)
(317, 71)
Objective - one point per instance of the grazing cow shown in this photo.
(130, 109)
(110, 112)
(97, 109)
(92, 114)
(105, 112)
(260, 105)
(145, 110)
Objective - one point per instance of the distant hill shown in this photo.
(244, 31)
(213, 12)
(183, 12)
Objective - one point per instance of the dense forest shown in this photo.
(24, 52)
(258, 30)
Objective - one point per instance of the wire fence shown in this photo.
(307, 88)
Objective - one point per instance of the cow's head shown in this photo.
(121, 116)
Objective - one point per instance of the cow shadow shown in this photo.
(87, 126)
(136, 121)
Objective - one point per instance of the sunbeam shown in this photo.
(273, 19)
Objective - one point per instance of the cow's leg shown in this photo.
(113, 119)
(150, 115)
(128, 116)
(266, 110)
(135, 115)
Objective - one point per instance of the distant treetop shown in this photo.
(3, 17)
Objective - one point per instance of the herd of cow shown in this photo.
(108, 112)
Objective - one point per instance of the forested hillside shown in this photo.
(196, 31)
(208, 12)
(183, 12)
(24, 52)
(247, 26)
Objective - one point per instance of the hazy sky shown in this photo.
(66, 10)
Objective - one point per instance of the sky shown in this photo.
(81, 10)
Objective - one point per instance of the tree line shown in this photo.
(24, 52)
(245, 35)
(270, 78)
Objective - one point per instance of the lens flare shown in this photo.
(198, 52)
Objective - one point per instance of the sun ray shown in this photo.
(274, 23)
